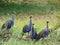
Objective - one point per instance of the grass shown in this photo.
(40, 12)
(39, 21)
(28, 8)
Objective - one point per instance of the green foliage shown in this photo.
(20, 20)
(28, 8)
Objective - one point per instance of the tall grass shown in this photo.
(20, 21)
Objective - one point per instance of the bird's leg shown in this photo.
(9, 34)
(28, 34)
(27, 37)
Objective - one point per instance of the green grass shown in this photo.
(28, 8)
(20, 21)
(41, 13)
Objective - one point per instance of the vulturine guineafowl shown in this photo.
(8, 24)
(33, 33)
(27, 27)
(44, 33)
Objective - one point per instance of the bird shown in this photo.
(33, 33)
(44, 33)
(8, 24)
(27, 27)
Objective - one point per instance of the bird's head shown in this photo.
(30, 16)
(47, 22)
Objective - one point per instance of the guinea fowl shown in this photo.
(33, 33)
(27, 27)
(8, 24)
(44, 33)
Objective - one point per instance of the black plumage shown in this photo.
(44, 33)
(8, 24)
(27, 27)
(33, 33)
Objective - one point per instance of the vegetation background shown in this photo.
(41, 10)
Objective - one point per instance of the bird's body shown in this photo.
(8, 24)
(27, 27)
(33, 33)
(44, 33)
